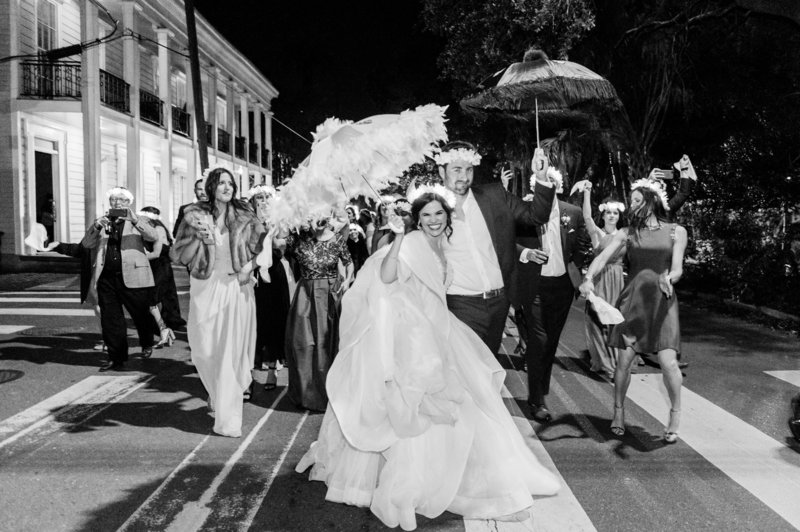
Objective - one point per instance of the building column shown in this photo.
(268, 141)
(257, 136)
(130, 60)
(244, 120)
(165, 144)
(94, 197)
(213, 74)
(230, 100)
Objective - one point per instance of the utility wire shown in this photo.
(290, 129)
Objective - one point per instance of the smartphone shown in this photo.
(117, 213)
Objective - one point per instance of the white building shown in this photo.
(119, 112)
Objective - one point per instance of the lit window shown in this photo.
(45, 25)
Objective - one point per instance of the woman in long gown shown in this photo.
(272, 296)
(312, 328)
(607, 284)
(648, 302)
(416, 422)
(218, 240)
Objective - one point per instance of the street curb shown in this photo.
(770, 312)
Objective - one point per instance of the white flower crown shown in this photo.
(150, 215)
(120, 191)
(612, 205)
(267, 190)
(443, 158)
(553, 175)
(655, 186)
(439, 190)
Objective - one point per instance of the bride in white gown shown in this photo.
(416, 422)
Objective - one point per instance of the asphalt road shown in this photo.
(82, 450)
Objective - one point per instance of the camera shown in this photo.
(117, 213)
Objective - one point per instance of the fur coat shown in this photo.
(246, 240)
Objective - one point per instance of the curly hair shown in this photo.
(429, 197)
(235, 207)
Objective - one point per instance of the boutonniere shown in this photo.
(565, 219)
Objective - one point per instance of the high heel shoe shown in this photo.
(618, 430)
(167, 337)
(272, 379)
(671, 436)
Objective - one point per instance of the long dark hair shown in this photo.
(426, 198)
(157, 212)
(235, 206)
(651, 204)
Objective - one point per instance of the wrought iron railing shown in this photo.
(151, 108)
(115, 92)
(181, 122)
(266, 159)
(239, 147)
(252, 152)
(223, 140)
(49, 80)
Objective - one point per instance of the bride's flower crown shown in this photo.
(655, 186)
(267, 190)
(439, 190)
(443, 158)
(149, 215)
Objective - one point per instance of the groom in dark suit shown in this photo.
(482, 250)
(551, 257)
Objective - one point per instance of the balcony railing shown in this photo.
(49, 80)
(209, 134)
(181, 122)
(266, 159)
(252, 152)
(223, 140)
(151, 108)
(239, 147)
(114, 92)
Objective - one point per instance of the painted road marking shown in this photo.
(45, 312)
(42, 292)
(72, 406)
(755, 461)
(790, 376)
(40, 300)
(559, 512)
(13, 329)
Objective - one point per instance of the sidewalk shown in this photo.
(49, 282)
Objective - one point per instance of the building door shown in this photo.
(46, 168)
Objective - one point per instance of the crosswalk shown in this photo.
(717, 450)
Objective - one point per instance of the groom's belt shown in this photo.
(491, 294)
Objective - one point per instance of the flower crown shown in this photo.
(612, 205)
(267, 190)
(553, 175)
(443, 158)
(654, 186)
(439, 190)
(120, 191)
(150, 215)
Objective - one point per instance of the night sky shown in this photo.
(345, 59)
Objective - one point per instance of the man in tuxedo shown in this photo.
(481, 249)
(200, 194)
(551, 257)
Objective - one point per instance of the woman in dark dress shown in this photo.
(312, 330)
(648, 302)
(272, 296)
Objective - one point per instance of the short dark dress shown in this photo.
(164, 290)
(651, 319)
(312, 330)
(272, 308)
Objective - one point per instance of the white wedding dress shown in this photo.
(416, 422)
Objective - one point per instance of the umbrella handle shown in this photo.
(540, 163)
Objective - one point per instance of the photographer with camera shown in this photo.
(122, 275)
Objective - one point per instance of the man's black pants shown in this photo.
(487, 317)
(112, 295)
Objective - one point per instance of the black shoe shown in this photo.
(112, 366)
(147, 352)
(683, 365)
(540, 413)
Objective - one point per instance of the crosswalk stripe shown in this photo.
(13, 329)
(26, 311)
(755, 461)
(74, 405)
(790, 376)
(39, 300)
(39, 292)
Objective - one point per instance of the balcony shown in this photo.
(252, 152)
(181, 122)
(151, 108)
(266, 159)
(239, 147)
(223, 140)
(114, 92)
(50, 80)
